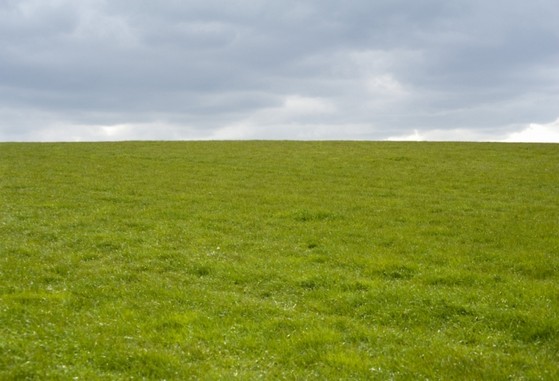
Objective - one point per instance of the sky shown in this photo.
(460, 70)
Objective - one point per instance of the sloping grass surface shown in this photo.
(279, 260)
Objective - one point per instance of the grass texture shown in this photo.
(279, 260)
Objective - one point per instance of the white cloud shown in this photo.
(386, 85)
(236, 131)
(532, 133)
(296, 105)
(536, 133)
(456, 135)
(413, 137)
(294, 131)
(53, 130)
(77, 132)
(294, 109)
(298, 117)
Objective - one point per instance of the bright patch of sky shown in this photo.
(259, 69)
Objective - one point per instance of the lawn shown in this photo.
(279, 260)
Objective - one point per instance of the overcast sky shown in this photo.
(293, 69)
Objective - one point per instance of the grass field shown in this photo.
(279, 260)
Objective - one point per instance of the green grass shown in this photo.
(279, 260)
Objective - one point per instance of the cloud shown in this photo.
(444, 135)
(536, 133)
(531, 133)
(313, 116)
(195, 69)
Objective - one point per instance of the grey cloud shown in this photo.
(385, 67)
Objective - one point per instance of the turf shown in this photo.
(279, 260)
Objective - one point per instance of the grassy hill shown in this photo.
(279, 260)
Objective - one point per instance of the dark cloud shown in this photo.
(121, 69)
